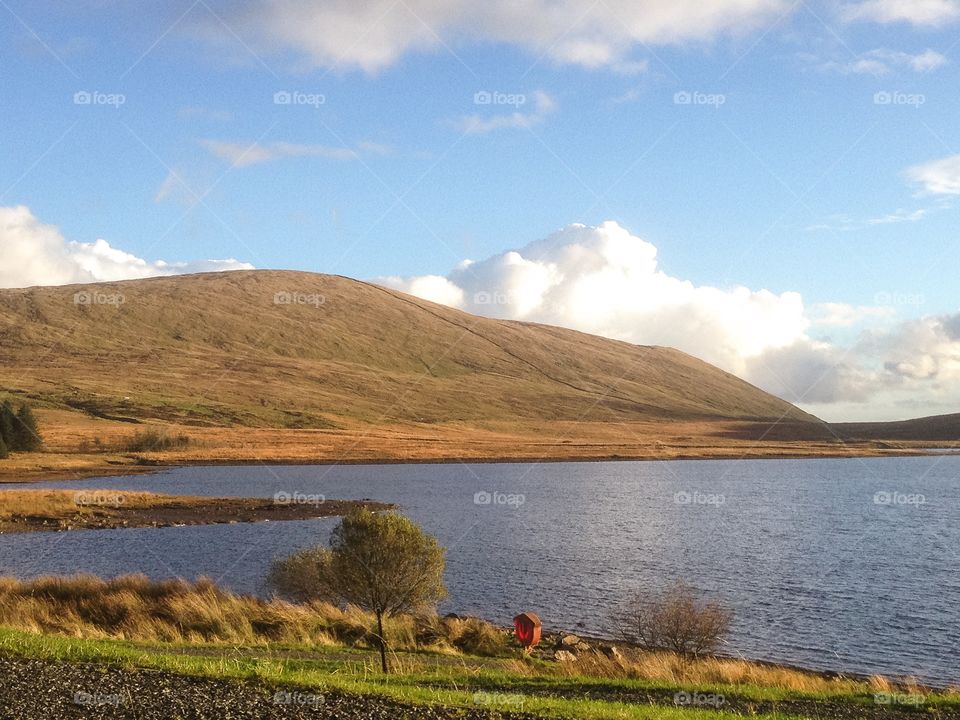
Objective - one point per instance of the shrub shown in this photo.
(25, 432)
(155, 441)
(675, 619)
(300, 577)
(477, 637)
(18, 430)
(383, 563)
(90, 446)
(7, 418)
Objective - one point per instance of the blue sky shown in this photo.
(804, 161)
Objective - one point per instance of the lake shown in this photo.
(838, 564)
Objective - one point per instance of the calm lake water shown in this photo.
(850, 565)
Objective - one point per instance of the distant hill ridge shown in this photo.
(294, 349)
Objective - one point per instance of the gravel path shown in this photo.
(40, 689)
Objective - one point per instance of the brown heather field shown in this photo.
(77, 445)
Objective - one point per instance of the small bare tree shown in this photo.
(675, 619)
(381, 562)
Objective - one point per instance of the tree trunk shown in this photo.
(383, 642)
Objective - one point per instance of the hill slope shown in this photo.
(226, 349)
(930, 429)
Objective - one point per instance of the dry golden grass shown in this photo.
(133, 607)
(57, 504)
(672, 668)
(138, 609)
(78, 445)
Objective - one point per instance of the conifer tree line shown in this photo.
(18, 429)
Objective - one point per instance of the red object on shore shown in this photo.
(526, 626)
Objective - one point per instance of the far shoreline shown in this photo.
(138, 466)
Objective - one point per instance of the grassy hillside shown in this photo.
(936, 428)
(227, 349)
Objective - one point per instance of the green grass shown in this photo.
(311, 675)
(451, 682)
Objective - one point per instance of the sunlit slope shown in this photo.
(292, 349)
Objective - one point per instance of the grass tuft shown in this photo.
(155, 441)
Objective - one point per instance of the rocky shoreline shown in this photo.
(108, 511)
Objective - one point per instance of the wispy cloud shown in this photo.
(882, 62)
(841, 315)
(846, 223)
(476, 124)
(899, 216)
(374, 148)
(247, 154)
(915, 12)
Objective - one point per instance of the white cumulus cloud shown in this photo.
(37, 254)
(843, 315)
(938, 177)
(374, 35)
(478, 124)
(606, 281)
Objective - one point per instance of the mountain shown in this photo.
(300, 350)
(936, 428)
